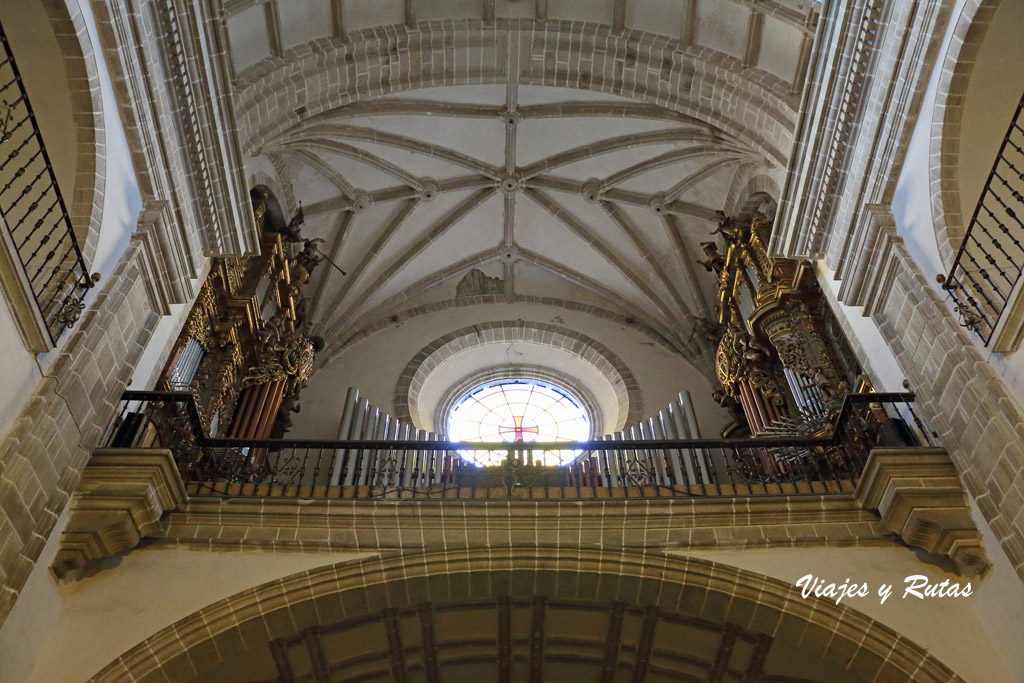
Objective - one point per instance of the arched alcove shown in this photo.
(978, 89)
(55, 56)
(274, 218)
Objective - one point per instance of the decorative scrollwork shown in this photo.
(175, 431)
(289, 469)
(198, 327)
(71, 311)
(971, 319)
(512, 473)
(290, 355)
(739, 357)
(637, 473)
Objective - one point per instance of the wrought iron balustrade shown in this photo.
(38, 235)
(989, 262)
(428, 469)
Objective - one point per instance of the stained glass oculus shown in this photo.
(518, 410)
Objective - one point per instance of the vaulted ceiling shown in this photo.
(569, 162)
(529, 638)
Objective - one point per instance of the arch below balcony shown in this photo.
(243, 630)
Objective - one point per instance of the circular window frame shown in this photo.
(514, 379)
(522, 373)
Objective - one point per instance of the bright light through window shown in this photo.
(518, 410)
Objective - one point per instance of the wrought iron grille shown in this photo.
(991, 257)
(36, 226)
(779, 464)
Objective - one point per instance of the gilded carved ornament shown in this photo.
(259, 210)
(198, 327)
(742, 357)
(796, 337)
(287, 353)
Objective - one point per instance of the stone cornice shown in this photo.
(712, 522)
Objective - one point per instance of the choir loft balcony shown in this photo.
(874, 475)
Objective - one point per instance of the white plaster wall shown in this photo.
(875, 356)
(911, 201)
(993, 92)
(994, 88)
(65, 633)
(121, 199)
(438, 384)
(46, 83)
(374, 364)
(19, 373)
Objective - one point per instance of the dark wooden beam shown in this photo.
(338, 18)
(537, 639)
(318, 661)
(273, 20)
(426, 615)
(756, 666)
(279, 651)
(752, 52)
(619, 16)
(687, 23)
(611, 643)
(505, 639)
(803, 62)
(725, 646)
(643, 648)
(390, 617)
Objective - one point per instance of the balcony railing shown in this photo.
(830, 462)
(37, 235)
(989, 262)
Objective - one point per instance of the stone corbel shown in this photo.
(122, 497)
(918, 495)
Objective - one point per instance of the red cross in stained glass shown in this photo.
(517, 431)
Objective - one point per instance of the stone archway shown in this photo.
(711, 87)
(968, 34)
(604, 360)
(297, 625)
(69, 110)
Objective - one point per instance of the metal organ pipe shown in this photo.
(408, 457)
(437, 461)
(340, 456)
(368, 428)
(693, 432)
(678, 430)
(430, 466)
(377, 460)
(665, 426)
